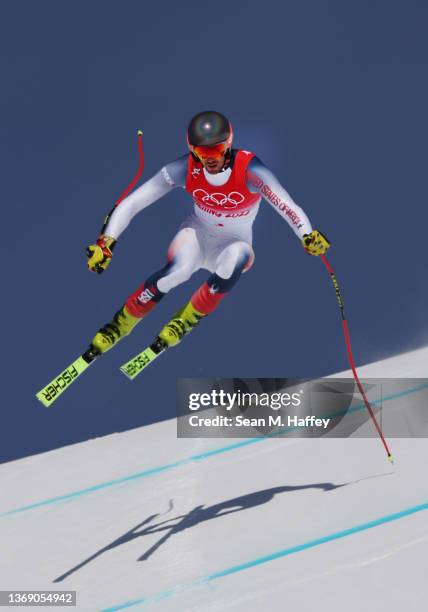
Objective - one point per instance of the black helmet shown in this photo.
(209, 128)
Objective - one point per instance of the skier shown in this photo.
(226, 186)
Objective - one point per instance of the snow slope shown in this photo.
(142, 520)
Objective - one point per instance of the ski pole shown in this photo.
(350, 356)
(139, 171)
(126, 192)
(132, 184)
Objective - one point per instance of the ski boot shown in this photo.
(181, 324)
(122, 324)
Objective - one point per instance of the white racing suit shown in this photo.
(217, 235)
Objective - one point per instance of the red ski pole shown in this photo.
(132, 184)
(139, 171)
(350, 356)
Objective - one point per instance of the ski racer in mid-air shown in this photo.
(226, 186)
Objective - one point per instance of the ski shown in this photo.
(132, 368)
(60, 383)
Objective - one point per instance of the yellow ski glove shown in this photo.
(315, 243)
(100, 254)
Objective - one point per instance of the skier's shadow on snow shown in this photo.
(198, 515)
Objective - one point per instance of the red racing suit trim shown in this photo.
(232, 197)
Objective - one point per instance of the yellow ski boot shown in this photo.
(123, 323)
(181, 324)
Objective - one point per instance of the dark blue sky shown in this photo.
(331, 95)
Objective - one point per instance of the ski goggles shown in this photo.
(215, 151)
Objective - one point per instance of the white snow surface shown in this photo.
(325, 524)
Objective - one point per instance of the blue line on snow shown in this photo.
(179, 463)
(266, 558)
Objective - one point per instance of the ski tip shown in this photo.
(139, 132)
(49, 394)
(42, 399)
(124, 371)
(136, 365)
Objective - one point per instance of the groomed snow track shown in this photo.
(142, 520)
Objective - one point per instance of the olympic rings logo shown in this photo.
(230, 200)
